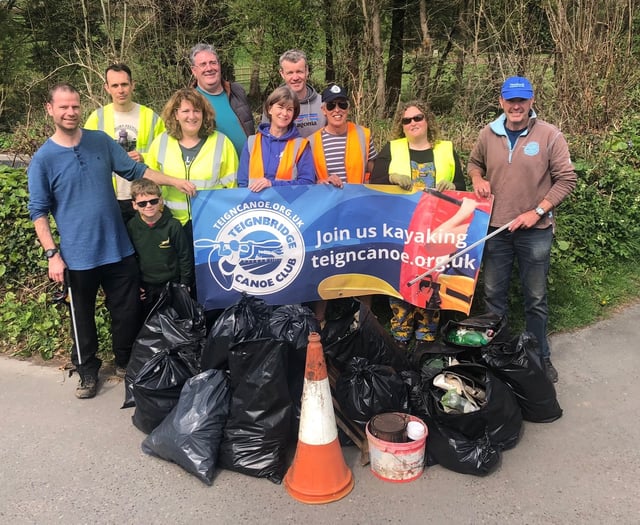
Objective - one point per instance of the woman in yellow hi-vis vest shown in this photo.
(277, 155)
(418, 158)
(192, 149)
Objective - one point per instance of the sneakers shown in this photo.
(87, 388)
(120, 372)
(551, 371)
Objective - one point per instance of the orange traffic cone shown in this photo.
(318, 473)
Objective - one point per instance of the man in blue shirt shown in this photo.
(70, 177)
(234, 117)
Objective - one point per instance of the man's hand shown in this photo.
(403, 181)
(135, 155)
(525, 221)
(445, 185)
(334, 180)
(57, 267)
(185, 186)
(481, 186)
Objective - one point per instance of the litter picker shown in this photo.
(458, 254)
(67, 284)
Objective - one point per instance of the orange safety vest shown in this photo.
(288, 167)
(355, 158)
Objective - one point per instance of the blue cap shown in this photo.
(516, 87)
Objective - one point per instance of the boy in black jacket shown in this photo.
(162, 248)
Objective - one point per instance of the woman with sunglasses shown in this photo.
(192, 149)
(277, 155)
(418, 159)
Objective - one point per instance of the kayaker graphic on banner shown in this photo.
(303, 243)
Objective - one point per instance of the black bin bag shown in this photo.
(476, 331)
(519, 365)
(156, 388)
(175, 321)
(364, 390)
(500, 417)
(294, 323)
(259, 426)
(190, 435)
(469, 443)
(359, 334)
(446, 445)
(247, 319)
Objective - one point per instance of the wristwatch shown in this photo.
(540, 211)
(50, 253)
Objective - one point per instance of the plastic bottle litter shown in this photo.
(455, 402)
(466, 337)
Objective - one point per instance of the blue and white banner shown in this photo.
(295, 244)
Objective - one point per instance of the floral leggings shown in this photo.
(409, 320)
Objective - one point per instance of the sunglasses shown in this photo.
(343, 104)
(416, 118)
(143, 204)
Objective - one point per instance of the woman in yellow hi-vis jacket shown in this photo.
(418, 158)
(192, 148)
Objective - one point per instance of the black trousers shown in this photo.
(119, 281)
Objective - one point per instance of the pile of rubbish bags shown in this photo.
(230, 398)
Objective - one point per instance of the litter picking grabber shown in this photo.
(72, 310)
(458, 254)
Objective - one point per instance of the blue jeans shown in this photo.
(532, 250)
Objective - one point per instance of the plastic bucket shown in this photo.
(397, 462)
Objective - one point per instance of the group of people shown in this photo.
(119, 188)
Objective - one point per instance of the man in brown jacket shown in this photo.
(525, 163)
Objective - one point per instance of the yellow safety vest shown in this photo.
(150, 125)
(214, 167)
(442, 157)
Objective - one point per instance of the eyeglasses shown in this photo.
(143, 204)
(212, 63)
(342, 104)
(415, 118)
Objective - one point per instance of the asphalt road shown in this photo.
(63, 460)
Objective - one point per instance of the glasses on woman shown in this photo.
(415, 118)
(342, 104)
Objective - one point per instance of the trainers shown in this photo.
(120, 372)
(551, 371)
(87, 388)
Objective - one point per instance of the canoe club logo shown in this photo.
(257, 251)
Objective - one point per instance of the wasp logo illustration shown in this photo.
(258, 252)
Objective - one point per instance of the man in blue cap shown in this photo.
(524, 163)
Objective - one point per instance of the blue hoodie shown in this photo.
(272, 148)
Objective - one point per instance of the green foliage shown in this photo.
(22, 255)
(600, 222)
(29, 321)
